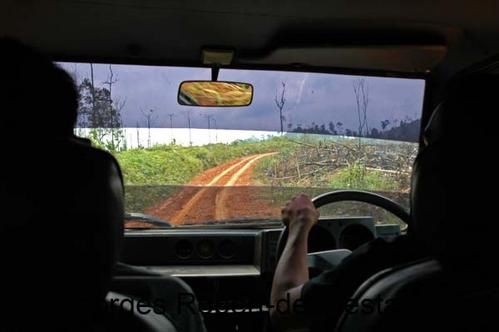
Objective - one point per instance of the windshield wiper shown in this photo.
(147, 219)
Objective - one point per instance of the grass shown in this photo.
(153, 174)
(176, 165)
(356, 176)
(280, 173)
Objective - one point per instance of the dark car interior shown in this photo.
(225, 267)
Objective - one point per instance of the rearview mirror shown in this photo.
(215, 94)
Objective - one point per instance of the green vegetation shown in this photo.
(340, 164)
(305, 163)
(176, 165)
(302, 162)
(357, 176)
(319, 164)
(153, 174)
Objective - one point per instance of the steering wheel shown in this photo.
(350, 195)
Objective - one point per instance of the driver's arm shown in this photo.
(292, 270)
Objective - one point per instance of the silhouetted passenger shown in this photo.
(62, 209)
(453, 220)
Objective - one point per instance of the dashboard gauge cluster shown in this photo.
(219, 249)
(342, 233)
(192, 248)
(230, 247)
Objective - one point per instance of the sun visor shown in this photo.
(401, 58)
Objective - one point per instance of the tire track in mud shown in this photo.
(220, 193)
(222, 211)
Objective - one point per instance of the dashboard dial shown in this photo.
(205, 249)
(184, 249)
(227, 249)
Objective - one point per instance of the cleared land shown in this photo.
(248, 180)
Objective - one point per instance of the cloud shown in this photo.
(311, 97)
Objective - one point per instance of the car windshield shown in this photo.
(303, 132)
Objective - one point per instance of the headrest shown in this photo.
(454, 172)
(62, 227)
(38, 97)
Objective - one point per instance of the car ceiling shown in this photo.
(385, 35)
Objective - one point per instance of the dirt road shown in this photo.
(221, 193)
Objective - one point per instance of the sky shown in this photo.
(310, 97)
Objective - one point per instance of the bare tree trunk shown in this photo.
(208, 117)
(92, 83)
(148, 132)
(110, 81)
(280, 102)
(216, 130)
(149, 119)
(189, 125)
(138, 137)
(171, 126)
(92, 92)
(361, 91)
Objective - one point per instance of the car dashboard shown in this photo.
(202, 252)
(224, 265)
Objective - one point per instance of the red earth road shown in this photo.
(221, 193)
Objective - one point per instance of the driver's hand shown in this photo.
(300, 213)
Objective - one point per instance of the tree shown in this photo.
(209, 117)
(189, 125)
(216, 129)
(280, 102)
(332, 128)
(171, 115)
(115, 106)
(110, 80)
(97, 111)
(149, 119)
(118, 141)
(100, 113)
(339, 125)
(406, 130)
(138, 135)
(385, 124)
(374, 133)
(361, 91)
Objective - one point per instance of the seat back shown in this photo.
(420, 296)
(62, 205)
(122, 314)
(62, 228)
(453, 218)
(61, 237)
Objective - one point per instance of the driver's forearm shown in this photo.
(292, 268)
